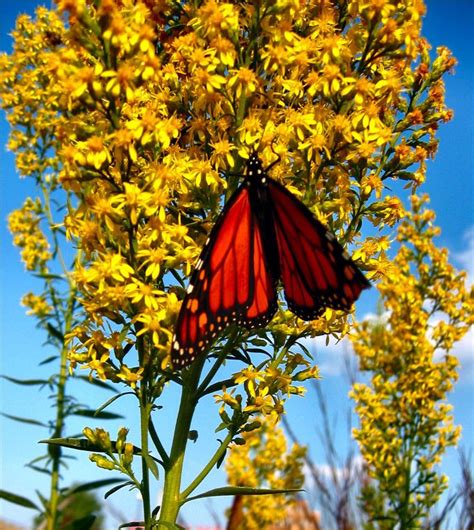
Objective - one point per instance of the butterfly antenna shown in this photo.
(275, 162)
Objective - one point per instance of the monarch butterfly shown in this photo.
(263, 235)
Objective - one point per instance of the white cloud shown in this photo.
(335, 357)
(466, 257)
(332, 357)
(464, 351)
(328, 473)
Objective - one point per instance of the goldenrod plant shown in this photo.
(150, 110)
(406, 423)
(264, 460)
(38, 231)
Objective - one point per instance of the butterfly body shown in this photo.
(264, 235)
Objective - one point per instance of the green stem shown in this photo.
(59, 424)
(405, 500)
(145, 486)
(145, 409)
(208, 468)
(171, 501)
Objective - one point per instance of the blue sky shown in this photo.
(450, 185)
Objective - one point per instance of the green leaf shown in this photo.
(111, 400)
(87, 413)
(306, 351)
(152, 466)
(83, 444)
(96, 382)
(54, 332)
(221, 459)
(39, 469)
(240, 490)
(49, 360)
(259, 342)
(85, 523)
(23, 420)
(96, 484)
(117, 488)
(25, 382)
(17, 499)
(48, 276)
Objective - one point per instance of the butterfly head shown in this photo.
(255, 169)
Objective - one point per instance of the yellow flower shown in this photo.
(138, 292)
(98, 365)
(243, 81)
(152, 260)
(131, 377)
(249, 377)
(222, 155)
(135, 201)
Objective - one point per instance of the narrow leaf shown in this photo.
(96, 484)
(83, 444)
(96, 382)
(18, 499)
(48, 276)
(49, 359)
(54, 332)
(111, 400)
(306, 351)
(117, 488)
(23, 420)
(25, 382)
(87, 413)
(39, 469)
(240, 490)
(151, 464)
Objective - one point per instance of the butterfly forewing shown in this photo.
(315, 270)
(231, 282)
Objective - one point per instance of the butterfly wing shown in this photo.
(231, 282)
(315, 270)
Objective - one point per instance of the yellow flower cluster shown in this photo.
(114, 456)
(405, 423)
(144, 111)
(25, 225)
(38, 305)
(264, 461)
(266, 390)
